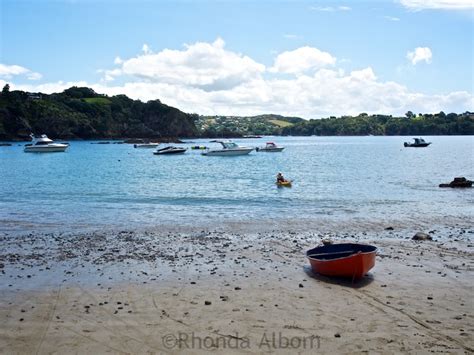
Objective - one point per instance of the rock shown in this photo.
(389, 229)
(422, 236)
(207, 303)
(337, 335)
(301, 285)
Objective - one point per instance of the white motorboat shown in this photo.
(228, 149)
(270, 147)
(146, 145)
(44, 145)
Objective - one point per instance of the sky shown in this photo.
(310, 59)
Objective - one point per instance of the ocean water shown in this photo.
(339, 180)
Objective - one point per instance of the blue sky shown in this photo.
(308, 58)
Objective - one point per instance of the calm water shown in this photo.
(336, 179)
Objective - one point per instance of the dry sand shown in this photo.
(154, 293)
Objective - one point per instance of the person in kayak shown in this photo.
(280, 178)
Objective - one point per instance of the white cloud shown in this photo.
(317, 89)
(9, 71)
(438, 4)
(118, 60)
(34, 76)
(391, 18)
(146, 49)
(330, 8)
(420, 54)
(206, 65)
(301, 60)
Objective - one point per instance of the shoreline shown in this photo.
(126, 292)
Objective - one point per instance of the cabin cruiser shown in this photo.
(146, 145)
(270, 147)
(170, 150)
(228, 149)
(418, 143)
(44, 145)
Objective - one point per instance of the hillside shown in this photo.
(82, 113)
(235, 126)
(379, 125)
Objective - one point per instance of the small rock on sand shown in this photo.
(422, 236)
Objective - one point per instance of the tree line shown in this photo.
(377, 125)
(81, 113)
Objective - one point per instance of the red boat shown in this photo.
(342, 260)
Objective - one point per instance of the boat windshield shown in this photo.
(271, 144)
(229, 145)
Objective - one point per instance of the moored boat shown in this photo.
(349, 260)
(43, 144)
(418, 143)
(228, 149)
(270, 147)
(170, 150)
(146, 145)
(461, 182)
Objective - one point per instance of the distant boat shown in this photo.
(44, 145)
(228, 149)
(458, 182)
(170, 150)
(146, 145)
(342, 260)
(270, 147)
(418, 143)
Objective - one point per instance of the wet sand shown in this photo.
(201, 291)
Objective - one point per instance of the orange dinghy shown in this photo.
(342, 260)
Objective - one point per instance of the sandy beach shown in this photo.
(217, 291)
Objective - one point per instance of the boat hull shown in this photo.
(228, 152)
(176, 151)
(343, 260)
(270, 150)
(283, 183)
(50, 149)
(420, 145)
(146, 145)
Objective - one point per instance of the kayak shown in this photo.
(342, 260)
(286, 183)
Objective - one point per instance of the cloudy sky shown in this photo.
(300, 58)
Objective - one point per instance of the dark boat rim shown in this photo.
(353, 254)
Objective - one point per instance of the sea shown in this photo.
(337, 181)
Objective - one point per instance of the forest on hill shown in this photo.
(81, 113)
(379, 125)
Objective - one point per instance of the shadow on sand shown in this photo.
(345, 282)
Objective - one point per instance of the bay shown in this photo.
(354, 181)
